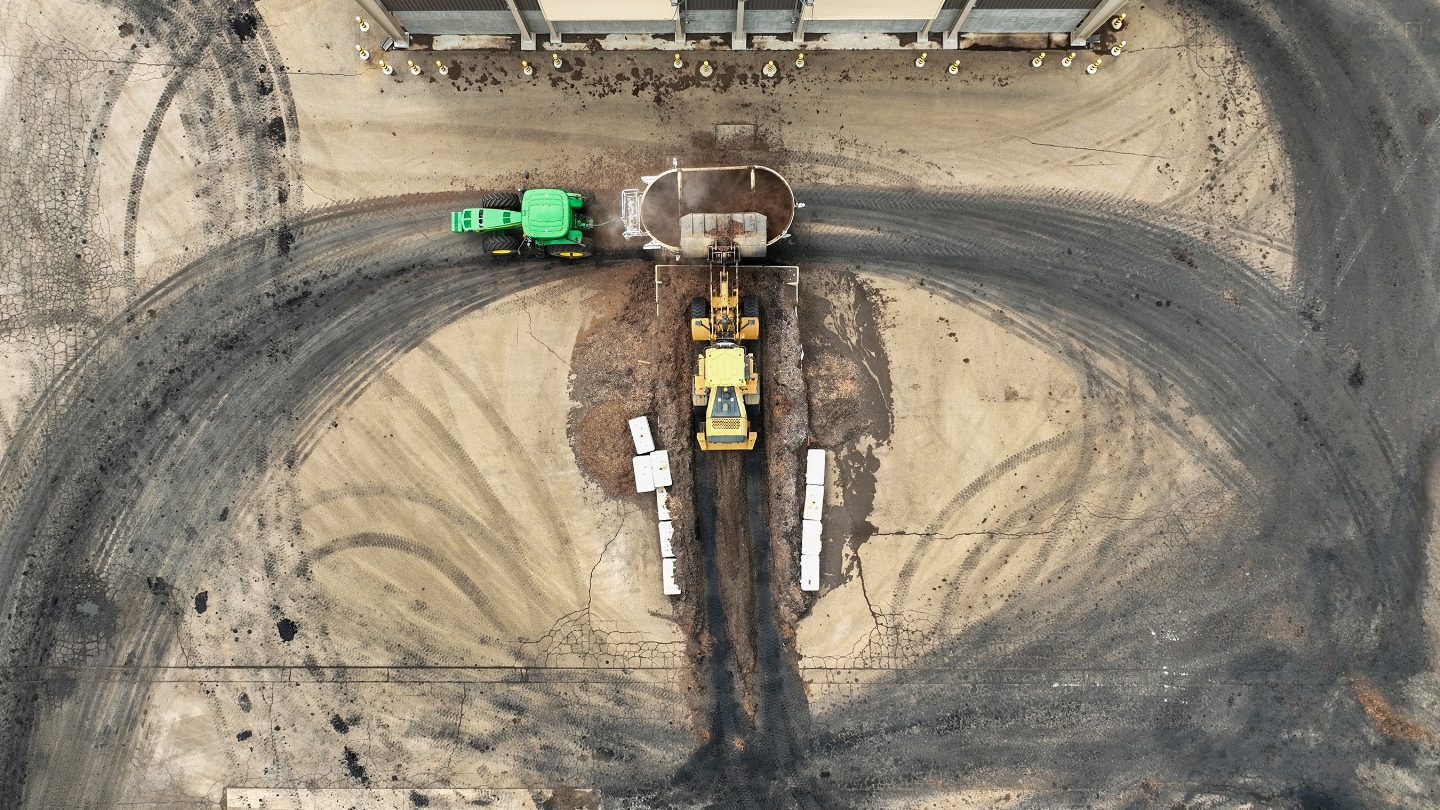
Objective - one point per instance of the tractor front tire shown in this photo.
(699, 308)
(749, 307)
(586, 196)
(503, 245)
(503, 200)
(586, 247)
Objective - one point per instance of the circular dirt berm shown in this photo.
(726, 190)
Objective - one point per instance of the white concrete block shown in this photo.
(662, 503)
(815, 467)
(667, 535)
(814, 501)
(644, 476)
(809, 572)
(640, 432)
(809, 537)
(667, 576)
(660, 464)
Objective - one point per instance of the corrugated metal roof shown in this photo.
(956, 5)
(1035, 4)
(448, 5)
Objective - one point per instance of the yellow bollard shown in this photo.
(1038, 61)
(679, 63)
(440, 66)
(414, 68)
(954, 67)
(770, 70)
(364, 26)
(1117, 22)
(526, 68)
(1120, 46)
(386, 69)
(1092, 67)
(921, 61)
(362, 53)
(555, 59)
(1068, 60)
(800, 60)
(705, 69)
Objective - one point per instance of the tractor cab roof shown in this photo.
(546, 213)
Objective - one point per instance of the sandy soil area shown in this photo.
(303, 507)
(1004, 466)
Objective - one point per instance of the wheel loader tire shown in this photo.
(586, 247)
(699, 308)
(503, 245)
(503, 200)
(749, 307)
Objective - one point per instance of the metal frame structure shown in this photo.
(958, 23)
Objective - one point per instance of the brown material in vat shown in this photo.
(725, 190)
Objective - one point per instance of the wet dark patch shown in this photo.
(284, 238)
(244, 735)
(275, 130)
(338, 723)
(202, 601)
(353, 768)
(264, 87)
(244, 25)
(127, 29)
(571, 799)
(287, 629)
(244, 701)
(1356, 378)
(224, 515)
(419, 799)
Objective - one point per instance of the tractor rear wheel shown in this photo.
(749, 307)
(503, 245)
(699, 308)
(584, 248)
(503, 200)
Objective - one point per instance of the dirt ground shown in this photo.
(1124, 381)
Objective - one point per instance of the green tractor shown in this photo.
(544, 220)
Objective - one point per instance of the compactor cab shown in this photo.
(726, 382)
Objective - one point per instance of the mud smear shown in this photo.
(847, 376)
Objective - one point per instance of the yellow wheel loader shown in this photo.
(727, 384)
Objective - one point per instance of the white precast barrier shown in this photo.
(667, 576)
(810, 526)
(644, 474)
(660, 467)
(815, 468)
(809, 538)
(814, 501)
(652, 474)
(640, 432)
(809, 572)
